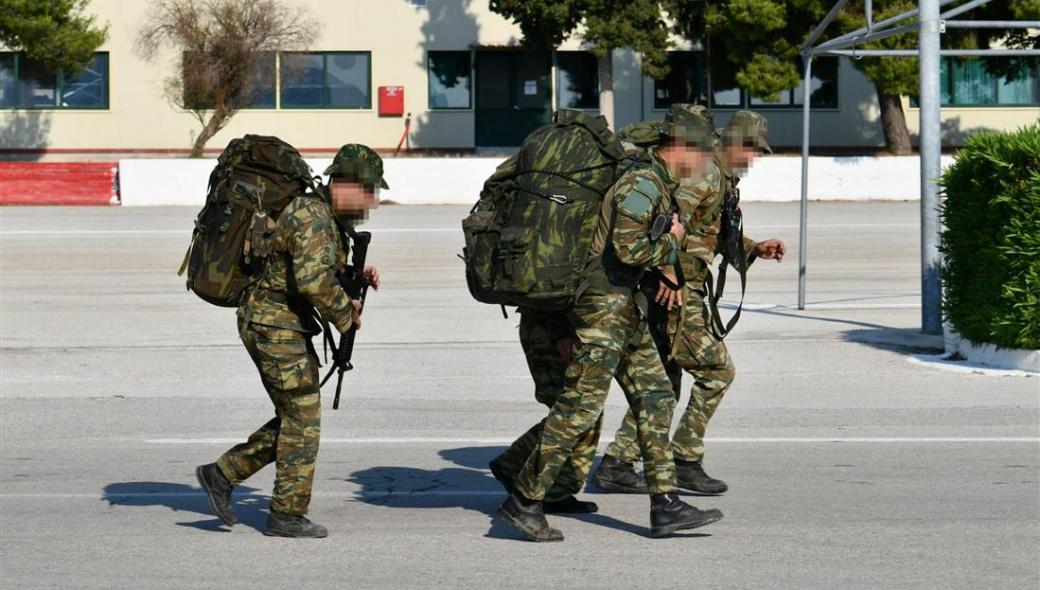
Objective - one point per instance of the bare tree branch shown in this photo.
(224, 52)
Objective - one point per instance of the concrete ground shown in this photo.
(849, 466)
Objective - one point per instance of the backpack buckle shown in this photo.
(561, 199)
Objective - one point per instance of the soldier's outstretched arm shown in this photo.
(313, 248)
(635, 198)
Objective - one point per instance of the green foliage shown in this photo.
(991, 243)
(53, 32)
(607, 25)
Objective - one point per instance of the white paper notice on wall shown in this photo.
(530, 87)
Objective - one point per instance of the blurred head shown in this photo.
(744, 139)
(355, 177)
(687, 139)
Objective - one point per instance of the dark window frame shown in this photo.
(559, 84)
(429, 78)
(280, 87)
(790, 104)
(949, 85)
(59, 87)
(697, 57)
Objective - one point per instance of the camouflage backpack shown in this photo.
(254, 179)
(528, 237)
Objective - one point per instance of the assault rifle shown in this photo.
(355, 283)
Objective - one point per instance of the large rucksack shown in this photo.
(528, 237)
(254, 179)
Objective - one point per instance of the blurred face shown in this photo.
(685, 160)
(350, 197)
(739, 157)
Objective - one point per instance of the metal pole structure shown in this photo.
(930, 147)
(803, 224)
(943, 53)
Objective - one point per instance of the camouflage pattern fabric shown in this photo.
(306, 241)
(360, 163)
(699, 353)
(611, 342)
(290, 440)
(747, 128)
(540, 335)
(683, 332)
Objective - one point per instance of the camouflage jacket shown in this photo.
(307, 244)
(622, 248)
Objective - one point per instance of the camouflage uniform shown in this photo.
(611, 341)
(540, 335)
(276, 323)
(682, 335)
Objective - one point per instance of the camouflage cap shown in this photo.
(747, 128)
(691, 123)
(360, 163)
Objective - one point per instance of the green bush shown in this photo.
(991, 243)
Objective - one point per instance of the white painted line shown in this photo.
(738, 440)
(399, 230)
(821, 306)
(139, 232)
(754, 227)
(200, 494)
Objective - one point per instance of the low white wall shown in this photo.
(457, 181)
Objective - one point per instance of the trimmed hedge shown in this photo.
(991, 243)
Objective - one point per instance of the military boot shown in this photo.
(689, 475)
(569, 505)
(669, 514)
(294, 526)
(528, 517)
(218, 490)
(615, 476)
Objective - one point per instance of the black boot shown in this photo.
(669, 514)
(690, 475)
(528, 517)
(570, 505)
(293, 526)
(615, 476)
(500, 475)
(218, 490)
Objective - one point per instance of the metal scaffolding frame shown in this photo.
(930, 22)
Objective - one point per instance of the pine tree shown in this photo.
(55, 33)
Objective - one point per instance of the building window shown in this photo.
(26, 84)
(824, 88)
(263, 93)
(967, 82)
(683, 82)
(450, 79)
(577, 80)
(330, 80)
(260, 96)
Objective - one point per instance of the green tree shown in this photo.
(224, 51)
(756, 44)
(53, 32)
(603, 25)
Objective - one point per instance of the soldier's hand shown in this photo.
(372, 275)
(666, 296)
(677, 229)
(355, 319)
(771, 250)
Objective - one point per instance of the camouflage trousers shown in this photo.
(540, 333)
(699, 353)
(289, 371)
(610, 343)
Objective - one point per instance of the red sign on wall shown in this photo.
(391, 101)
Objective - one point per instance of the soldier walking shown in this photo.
(680, 318)
(612, 341)
(276, 323)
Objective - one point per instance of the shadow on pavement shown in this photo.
(903, 340)
(185, 498)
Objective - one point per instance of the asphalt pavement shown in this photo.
(849, 465)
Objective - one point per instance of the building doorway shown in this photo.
(514, 96)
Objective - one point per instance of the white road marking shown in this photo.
(200, 494)
(139, 232)
(401, 230)
(943, 364)
(495, 441)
